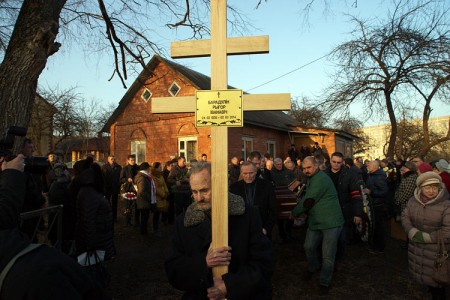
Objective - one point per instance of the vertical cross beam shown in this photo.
(219, 80)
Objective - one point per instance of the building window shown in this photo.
(271, 148)
(138, 149)
(174, 89)
(146, 95)
(187, 147)
(247, 146)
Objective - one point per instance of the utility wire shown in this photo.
(281, 76)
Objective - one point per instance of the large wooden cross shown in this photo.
(218, 47)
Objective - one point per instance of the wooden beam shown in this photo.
(252, 102)
(235, 46)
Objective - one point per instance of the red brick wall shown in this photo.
(161, 131)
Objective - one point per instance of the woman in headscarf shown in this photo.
(427, 212)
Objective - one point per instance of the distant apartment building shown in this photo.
(378, 135)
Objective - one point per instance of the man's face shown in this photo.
(111, 160)
(372, 167)
(382, 164)
(235, 161)
(201, 189)
(51, 158)
(417, 161)
(336, 163)
(257, 162)
(181, 162)
(269, 165)
(204, 157)
(28, 150)
(299, 163)
(248, 173)
(278, 165)
(309, 168)
(131, 161)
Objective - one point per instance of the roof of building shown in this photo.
(270, 119)
(80, 144)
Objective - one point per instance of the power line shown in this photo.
(281, 76)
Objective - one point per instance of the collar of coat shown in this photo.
(194, 215)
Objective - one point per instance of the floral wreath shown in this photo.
(129, 196)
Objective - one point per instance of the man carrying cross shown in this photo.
(249, 256)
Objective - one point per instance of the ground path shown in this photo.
(138, 272)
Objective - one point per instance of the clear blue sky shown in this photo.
(292, 45)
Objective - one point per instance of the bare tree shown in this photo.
(307, 114)
(29, 30)
(381, 62)
(65, 121)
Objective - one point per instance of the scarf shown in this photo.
(195, 215)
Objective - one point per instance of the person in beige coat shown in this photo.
(427, 212)
(162, 192)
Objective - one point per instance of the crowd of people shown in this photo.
(341, 201)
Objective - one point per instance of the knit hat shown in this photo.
(442, 165)
(144, 166)
(428, 178)
(425, 167)
(411, 166)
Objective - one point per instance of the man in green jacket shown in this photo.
(325, 222)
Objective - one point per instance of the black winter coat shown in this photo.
(251, 260)
(12, 194)
(58, 194)
(349, 193)
(44, 273)
(94, 228)
(111, 176)
(265, 200)
(129, 171)
(377, 184)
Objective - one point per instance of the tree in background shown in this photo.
(383, 62)
(29, 30)
(307, 114)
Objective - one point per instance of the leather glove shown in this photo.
(309, 203)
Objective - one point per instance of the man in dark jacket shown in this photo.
(111, 174)
(178, 183)
(282, 176)
(249, 255)
(258, 192)
(378, 190)
(347, 186)
(41, 273)
(127, 176)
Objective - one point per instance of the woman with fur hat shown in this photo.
(427, 212)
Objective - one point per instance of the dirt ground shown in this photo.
(138, 273)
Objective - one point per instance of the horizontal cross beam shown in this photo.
(235, 46)
(251, 102)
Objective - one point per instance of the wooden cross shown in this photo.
(218, 48)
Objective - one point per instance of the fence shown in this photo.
(53, 216)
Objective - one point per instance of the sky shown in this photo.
(295, 63)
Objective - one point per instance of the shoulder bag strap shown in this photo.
(13, 260)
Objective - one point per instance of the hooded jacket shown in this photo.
(428, 218)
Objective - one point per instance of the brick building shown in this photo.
(152, 137)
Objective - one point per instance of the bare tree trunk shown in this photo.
(32, 42)
(392, 139)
